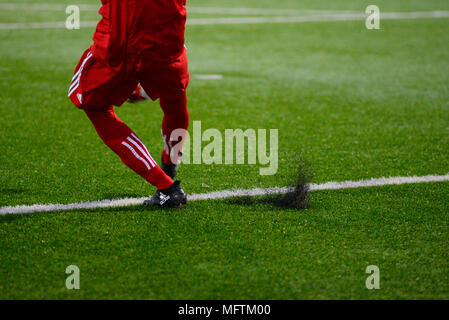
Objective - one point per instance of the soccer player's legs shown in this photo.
(176, 116)
(127, 145)
(95, 89)
(169, 83)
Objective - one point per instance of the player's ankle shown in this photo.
(159, 179)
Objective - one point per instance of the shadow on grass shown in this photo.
(112, 196)
(138, 208)
(286, 201)
(10, 191)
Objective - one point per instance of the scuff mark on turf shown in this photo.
(296, 197)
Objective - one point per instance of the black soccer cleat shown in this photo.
(172, 197)
(169, 169)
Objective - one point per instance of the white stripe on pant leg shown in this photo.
(82, 65)
(141, 150)
(76, 77)
(74, 86)
(76, 83)
(143, 145)
(136, 155)
(73, 90)
(76, 74)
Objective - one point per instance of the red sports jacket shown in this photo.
(131, 27)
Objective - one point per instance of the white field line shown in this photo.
(208, 76)
(200, 10)
(257, 11)
(43, 25)
(253, 20)
(316, 18)
(26, 209)
(45, 7)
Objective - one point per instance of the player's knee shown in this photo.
(179, 120)
(108, 126)
(175, 110)
(114, 144)
(184, 117)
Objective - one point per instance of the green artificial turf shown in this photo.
(237, 249)
(353, 103)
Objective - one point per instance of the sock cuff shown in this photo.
(159, 179)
